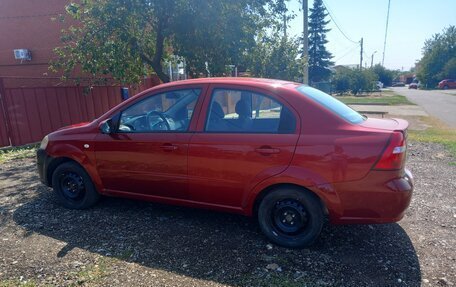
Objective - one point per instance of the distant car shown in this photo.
(447, 84)
(398, 84)
(414, 86)
(379, 85)
(286, 153)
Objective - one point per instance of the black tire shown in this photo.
(73, 186)
(291, 217)
(445, 87)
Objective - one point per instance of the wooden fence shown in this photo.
(28, 114)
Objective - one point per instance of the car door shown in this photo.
(244, 136)
(452, 83)
(147, 153)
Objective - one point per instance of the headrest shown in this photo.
(217, 111)
(242, 108)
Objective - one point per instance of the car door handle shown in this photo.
(168, 147)
(267, 150)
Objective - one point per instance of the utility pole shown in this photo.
(361, 55)
(372, 59)
(305, 44)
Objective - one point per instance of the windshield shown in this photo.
(332, 104)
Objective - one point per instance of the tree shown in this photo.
(449, 70)
(384, 75)
(353, 80)
(129, 39)
(275, 57)
(439, 58)
(319, 57)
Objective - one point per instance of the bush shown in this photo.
(354, 81)
(384, 75)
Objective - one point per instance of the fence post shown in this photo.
(4, 112)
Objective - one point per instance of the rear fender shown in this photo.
(301, 177)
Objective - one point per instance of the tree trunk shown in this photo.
(159, 71)
(156, 61)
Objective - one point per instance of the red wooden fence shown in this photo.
(28, 114)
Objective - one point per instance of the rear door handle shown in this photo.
(267, 150)
(168, 147)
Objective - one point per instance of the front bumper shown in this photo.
(42, 162)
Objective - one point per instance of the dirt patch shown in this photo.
(128, 243)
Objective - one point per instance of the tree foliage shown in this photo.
(439, 58)
(384, 75)
(275, 57)
(347, 80)
(319, 58)
(129, 39)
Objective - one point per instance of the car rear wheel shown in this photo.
(73, 186)
(291, 217)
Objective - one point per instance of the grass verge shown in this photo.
(437, 133)
(18, 153)
(393, 100)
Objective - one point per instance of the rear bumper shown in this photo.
(42, 163)
(375, 199)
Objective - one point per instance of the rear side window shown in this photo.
(239, 111)
(331, 104)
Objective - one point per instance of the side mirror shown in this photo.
(106, 127)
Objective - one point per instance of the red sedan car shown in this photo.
(284, 152)
(447, 84)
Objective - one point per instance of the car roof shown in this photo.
(256, 82)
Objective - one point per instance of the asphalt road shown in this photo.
(440, 104)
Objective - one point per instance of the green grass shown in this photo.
(393, 100)
(16, 283)
(18, 153)
(94, 273)
(446, 138)
(437, 133)
(125, 255)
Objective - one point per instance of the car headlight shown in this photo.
(44, 142)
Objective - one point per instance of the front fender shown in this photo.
(85, 158)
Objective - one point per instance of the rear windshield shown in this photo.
(332, 104)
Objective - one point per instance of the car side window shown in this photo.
(241, 111)
(168, 111)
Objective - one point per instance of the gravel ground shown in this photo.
(128, 243)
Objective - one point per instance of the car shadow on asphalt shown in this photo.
(220, 247)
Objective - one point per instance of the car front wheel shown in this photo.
(73, 186)
(291, 217)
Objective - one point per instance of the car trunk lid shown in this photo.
(386, 124)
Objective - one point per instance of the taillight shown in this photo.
(394, 155)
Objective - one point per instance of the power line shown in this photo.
(335, 23)
(348, 52)
(386, 32)
(305, 44)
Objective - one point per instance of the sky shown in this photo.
(411, 22)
